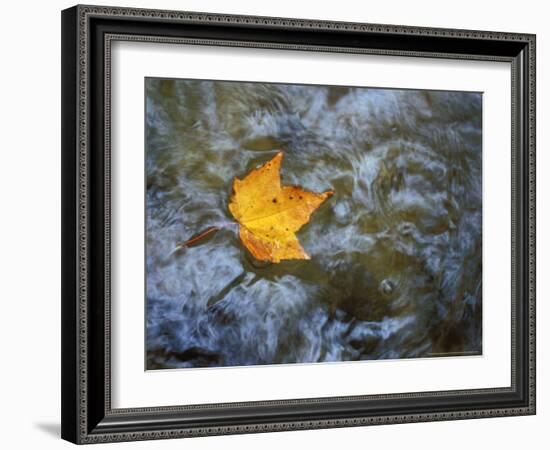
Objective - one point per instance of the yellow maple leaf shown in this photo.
(269, 214)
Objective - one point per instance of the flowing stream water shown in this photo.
(395, 269)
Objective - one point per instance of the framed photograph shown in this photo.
(279, 224)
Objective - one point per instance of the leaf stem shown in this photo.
(198, 237)
(204, 234)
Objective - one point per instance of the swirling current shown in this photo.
(395, 269)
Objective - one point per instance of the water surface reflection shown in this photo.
(395, 269)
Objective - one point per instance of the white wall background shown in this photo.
(30, 223)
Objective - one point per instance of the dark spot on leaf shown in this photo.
(274, 200)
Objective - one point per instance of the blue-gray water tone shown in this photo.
(395, 269)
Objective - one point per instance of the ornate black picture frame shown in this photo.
(87, 35)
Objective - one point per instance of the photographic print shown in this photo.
(291, 223)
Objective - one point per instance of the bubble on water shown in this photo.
(406, 229)
(387, 286)
(342, 212)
